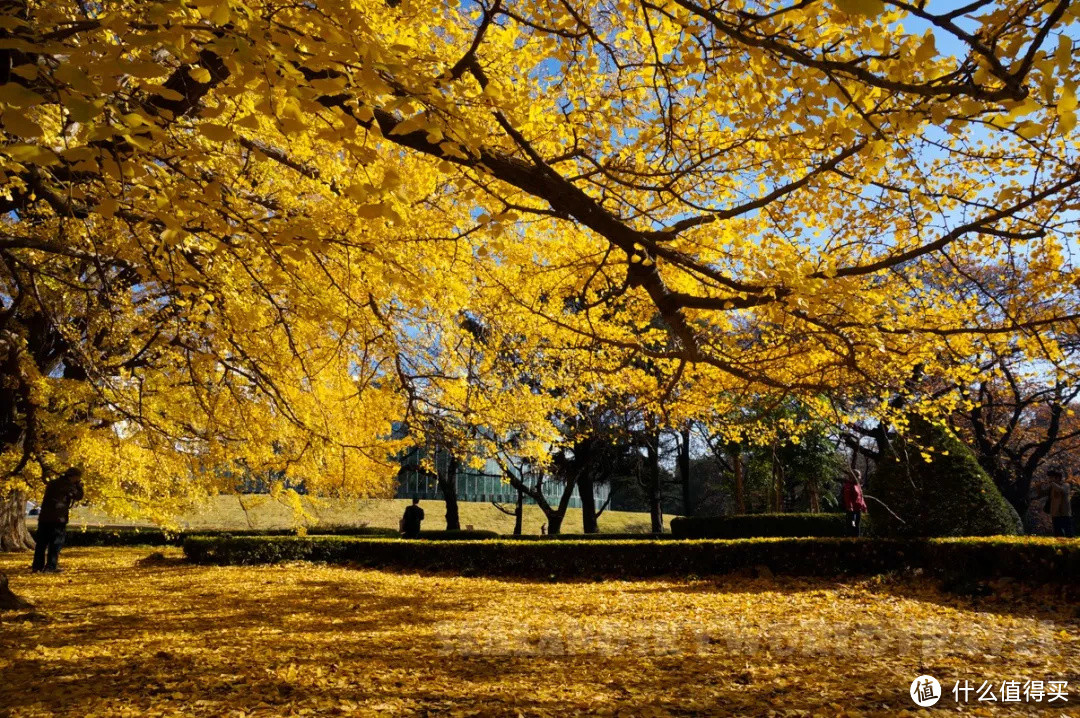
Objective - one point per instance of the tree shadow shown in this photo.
(1016, 598)
(535, 685)
(144, 637)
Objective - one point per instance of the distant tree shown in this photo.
(787, 469)
(518, 512)
(685, 471)
(530, 481)
(1016, 426)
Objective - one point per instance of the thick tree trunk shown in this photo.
(519, 511)
(13, 533)
(1019, 494)
(585, 457)
(448, 485)
(588, 503)
(684, 471)
(453, 518)
(740, 491)
(555, 516)
(8, 600)
(554, 526)
(778, 482)
(656, 510)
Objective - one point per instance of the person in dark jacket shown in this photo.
(410, 522)
(854, 503)
(60, 494)
(1058, 493)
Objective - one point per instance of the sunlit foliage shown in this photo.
(254, 233)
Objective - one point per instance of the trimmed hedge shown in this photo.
(759, 526)
(370, 531)
(1036, 560)
(748, 526)
(590, 537)
(462, 535)
(112, 536)
(148, 536)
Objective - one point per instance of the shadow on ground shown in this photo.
(118, 634)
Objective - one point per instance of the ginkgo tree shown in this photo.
(227, 220)
(180, 306)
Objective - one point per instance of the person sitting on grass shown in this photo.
(854, 503)
(410, 522)
(60, 494)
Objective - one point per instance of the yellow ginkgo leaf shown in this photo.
(14, 94)
(20, 125)
(80, 109)
(1067, 121)
(927, 50)
(107, 207)
(1063, 53)
(221, 14)
(21, 152)
(144, 69)
(1067, 102)
(216, 133)
(1028, 130)
(861, 7)
(371, 211)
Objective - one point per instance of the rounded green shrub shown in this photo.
(930, 484)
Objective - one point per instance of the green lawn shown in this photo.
(261, 511)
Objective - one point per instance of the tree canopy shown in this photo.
(264, 230)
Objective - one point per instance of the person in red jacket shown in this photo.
(854, 503)
(60, 494)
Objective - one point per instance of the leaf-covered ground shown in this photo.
(120, 635)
